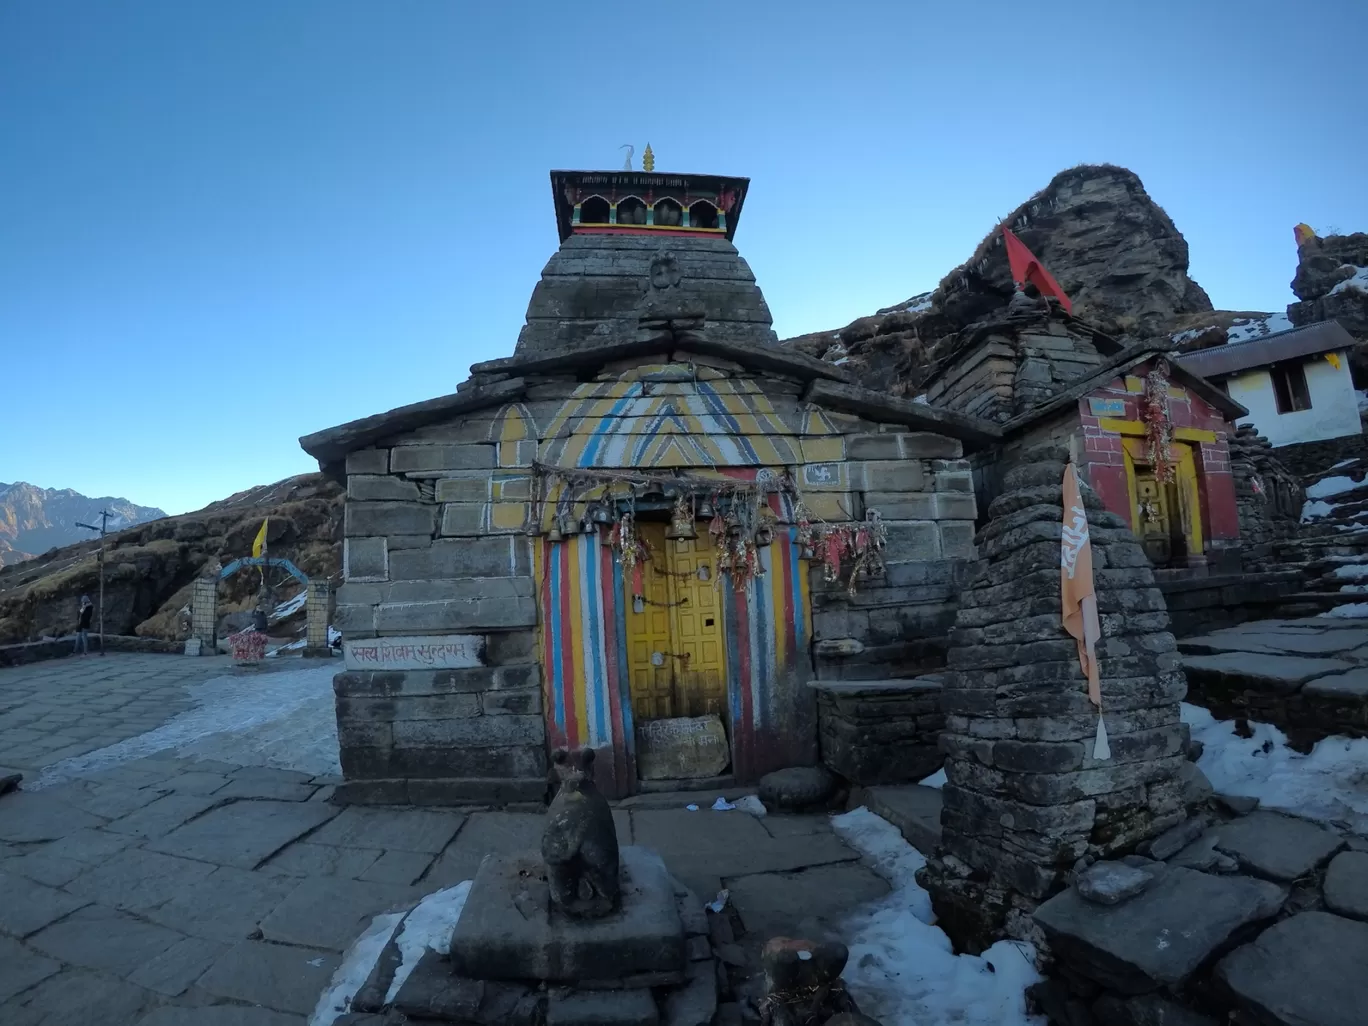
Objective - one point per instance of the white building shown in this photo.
(1295, 384)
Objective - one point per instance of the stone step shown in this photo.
(915, 810)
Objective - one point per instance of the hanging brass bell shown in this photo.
(555, 534)
(764, 536)
(681, 522)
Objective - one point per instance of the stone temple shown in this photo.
(649, 532)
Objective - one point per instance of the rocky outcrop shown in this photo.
(1332, 284)
(150, 567)
(34, 520)
(1115, 252)
(1268, 496)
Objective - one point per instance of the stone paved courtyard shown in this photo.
(146, 892)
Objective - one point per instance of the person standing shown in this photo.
(83, 626)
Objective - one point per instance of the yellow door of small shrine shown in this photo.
(1165, 516)
(675, 648)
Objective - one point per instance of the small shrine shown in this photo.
(645, 533)
(1151, 437)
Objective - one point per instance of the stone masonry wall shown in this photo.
(1025, 798)
(881, 732)
(445, 705)
(896, 625)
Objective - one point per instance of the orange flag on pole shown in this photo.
(1079, 599)
(1026, 268)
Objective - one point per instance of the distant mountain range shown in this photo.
(33, 520)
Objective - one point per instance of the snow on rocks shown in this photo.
(1328, 784)
(1246, 329)
(1356, 282)
(902, 968)
(279, 720)
(1328, 486)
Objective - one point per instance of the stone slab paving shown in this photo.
(1308, 677)
(1346, 885)
(1306, 969)
(61, 708)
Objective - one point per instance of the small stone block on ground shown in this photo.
(1305, 970)
(1277, 847)
(1110, 883)
(508, 932)
(1346, 884)
(1159, 937)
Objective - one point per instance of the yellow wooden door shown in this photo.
(650, 668)
(675, 649)
(1167, 518)
(696, 629)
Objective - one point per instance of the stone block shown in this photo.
(602, 1008)
(525, 701)
(912, 539)
(371, 519)
(380, 488)
(675, 749)
(474, 486)
(507, 648)
(902, 505)
(955, 506)
(902, 445)
(887, 475)
(377, 684)
(465, 519)
(459, 615)
(381, 711)
(479, 732)
(354, 620)
(368, 461)
(365, 559)
(954, 481)
(957, 539)
(471, 557)
(1306, 969)
(447, 763)
(1277, 847)
(476, 790)
(508, 931)
(428, 458)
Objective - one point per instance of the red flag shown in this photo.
(1026, 268)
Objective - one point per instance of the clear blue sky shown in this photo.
(224, 225)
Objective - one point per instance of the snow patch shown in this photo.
(290, 605)
(1187, 336)
(1246, 329)
(1353, 611)
(902, 968)
(1352, 571)
(1330, 783)
(1315, 509)
(1358, 282)
(356, 966)
(429, 926)
(1328, 486)
(279, 720)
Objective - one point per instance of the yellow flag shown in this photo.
(1304, 233)
(259, 545)
(1333, 360)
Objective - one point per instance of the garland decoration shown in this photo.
(1158, 421)
(742, 522)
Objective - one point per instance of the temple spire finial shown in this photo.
(648, 159)
(631, 152)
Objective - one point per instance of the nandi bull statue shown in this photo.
(580, 843)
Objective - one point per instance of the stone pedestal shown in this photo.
(514, 959)
(880, 731)
(1025, 799)
(509, 931)
(316, 616)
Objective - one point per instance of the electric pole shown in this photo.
(104, 524)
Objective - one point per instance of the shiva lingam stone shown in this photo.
(580, 842)
(803, 985)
